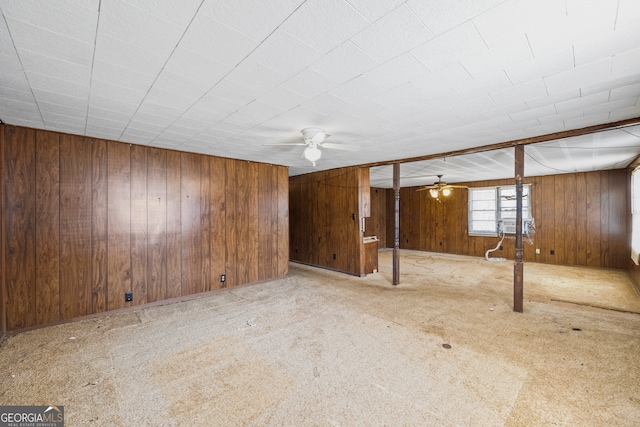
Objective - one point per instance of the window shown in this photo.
(488, 205)
(635, 215)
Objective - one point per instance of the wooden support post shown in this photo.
(518, 268)
(396, 224)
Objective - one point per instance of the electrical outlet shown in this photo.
(223, 277)
(334, 256)
(552, 252)
(537, 251)
(128, 296)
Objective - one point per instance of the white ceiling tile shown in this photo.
(148, 122)
(607, 107)
(310, 83)
(534, 89)
(560, 118)
(129, 23)
(407, 94)
(80, 113)
(581, 103)
(6, 43)
(64, 127)
(169, 113)
(51, 84)
(113, 104)
(626, 113)
(188, 132)
(625, 91)
(16, 95)
(104, 124)
(285, 54)
(626, 64)
(208, 115)
(449, 48)
(14, 80)
(196, 66)
(542, 66)
(115, 74)
(116, 116)
(228, 93)
(480, 85)
(205, 34)
(325, 24)
(441, 16)
(186, 125)
(554, 98)
(75, 19)
(344, 63)
(325, 104)
(400, 70)
(111, 132)
(581, 122)
(32, 122)
(590, 17)
(177, 12)
(628, 13)
(604, 45)
(282, 98)
(140, 134)
(254, 18)
(578, 77)
(127, 55)
(256, 76)
(35, 39)
(50, 118)
(25, 113)
(374, 10)
(63, 70)
(512, 51)
(10, 104)
(115, 92)
(242, 119)
(474, 106)
(392, 35)
(533, 114)
(181, 86)
(358, 90)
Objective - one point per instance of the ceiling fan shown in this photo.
(440, 187)
(314, 139)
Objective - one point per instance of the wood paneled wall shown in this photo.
(326, 208)
(86, 220)
(582, 217)
(376, 224)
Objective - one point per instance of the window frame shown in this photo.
(498, 208)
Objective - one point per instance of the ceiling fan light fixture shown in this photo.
(312, 153)
(434, 193)
(446, 191)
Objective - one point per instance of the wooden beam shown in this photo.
(396, 224)
(634, 164)
(518, 267)
(524, 141)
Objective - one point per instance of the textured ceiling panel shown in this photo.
(398, 79)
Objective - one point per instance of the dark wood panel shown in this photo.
(205, 223)
(283, 221)
(47, 227)
(546, 222)
(568, 191)
(75, 227)
(218, 238)
(139, 260)
(157, 224)
(274, 200)
(191, 237)
(99, 236)
(604, 219)
(593, 219)
(118, 224)
(265, 222)
(230, 221)
(174, 232)
(19, 180)
(619, 207)
(581, 219)
(248, 217)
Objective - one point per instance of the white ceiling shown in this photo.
(397, 78)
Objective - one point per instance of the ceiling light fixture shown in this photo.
(312, 153)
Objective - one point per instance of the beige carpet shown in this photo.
(325, 349)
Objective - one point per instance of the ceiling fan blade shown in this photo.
(456, 186)
(342, 147)
(319, 137)
(286, 143)
(428, 187)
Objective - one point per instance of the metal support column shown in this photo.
(396, 224)
(518, 268)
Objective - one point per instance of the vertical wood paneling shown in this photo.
(546, 223)
(75, 226)
(99, 253)
(560, 243)
(569, 219)
(218, 238)
(593, 219)
(604, 218)
(174, 221)
(191, 236)
(581, 219)
(251, 218)
(47, 227)
(20, 237)
(283, 221)
(230, 220)
(157, 224)
(619, 207)
(205, 223)
(118, 224)
(265, 224)
(139, 257)
(86, 220)
(3, 290)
